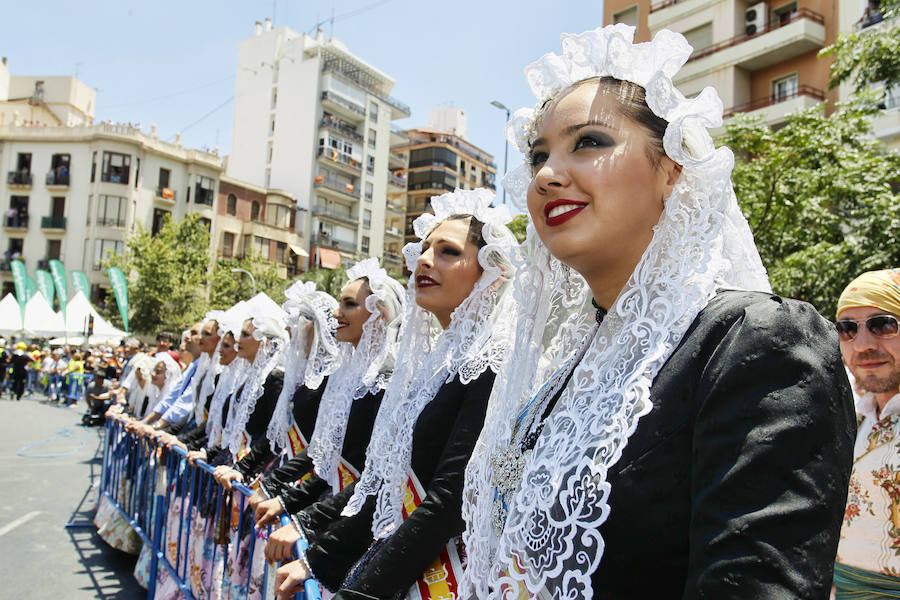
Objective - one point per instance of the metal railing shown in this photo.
(338, 186)
(803, 90)
(180, 512)
(328, 242)
(340, 127)
(16, 221)
(803, 13)
(18, 178)
(53, 222)
(339, 157)
(396, 180)
(54, 178)
(352, 106)
(349, 219)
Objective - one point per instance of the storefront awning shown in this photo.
(299, 251)
(328, 258)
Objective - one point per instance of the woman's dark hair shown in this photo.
(632, 102)
(476, 228)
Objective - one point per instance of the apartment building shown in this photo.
(313, 119)
(251, 218)
(438, 159)
(762, 57)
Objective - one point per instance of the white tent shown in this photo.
(77, 311)
(40, 320)
(10, 315)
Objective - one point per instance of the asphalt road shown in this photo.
(39, 556)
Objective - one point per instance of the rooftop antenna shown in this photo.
(332, 22)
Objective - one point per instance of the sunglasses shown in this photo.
(881, 326)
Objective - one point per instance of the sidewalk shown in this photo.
(40, 495)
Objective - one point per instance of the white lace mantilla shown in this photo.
(233, 374)
(309, 312)
(550, 543)
(268, 357)
(477, 339)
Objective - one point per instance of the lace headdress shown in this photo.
(545, 534)
(207, 369)
(309, 315)
(173, 378)
(477, 339)
(364, 369)
(268, 327)
(232, 375)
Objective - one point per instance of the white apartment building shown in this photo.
(75, 193)
(314, 120)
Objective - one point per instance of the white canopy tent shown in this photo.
(77, 310)
(40, 319)
(10, 315)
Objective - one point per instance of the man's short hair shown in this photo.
(165, 336)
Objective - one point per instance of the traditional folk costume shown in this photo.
(691, 442)
(868, 563)
(408, 496)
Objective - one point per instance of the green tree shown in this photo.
(518, 226)
(819, 199)
(870, 55)
(166, 274)
(226, 287)
(330, 281)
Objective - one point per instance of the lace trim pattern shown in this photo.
(267, 358)
(232, 374)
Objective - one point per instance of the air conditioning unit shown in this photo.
(756, 18)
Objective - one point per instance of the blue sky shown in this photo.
(172, 63)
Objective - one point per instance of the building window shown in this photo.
(278, 216)
(111, 211)
(116, 167)
(370, 165)
(261, 246)
(105, 250)
(699, 38)
(254, 211)
(373, 112)
(17, 215)
(370, 191)
(205, 223)
(22, 174)
(137, 173)
(371, 138)
(280, 251)
(784, 13)
(203, 194)
(269, 153)
(272, 125)
(59, 169)
(14, 249)
(159, 220)
(162, 181)
(629, 16)
(227, 245)
(231, 205)
(93, 167)
(364, 244)
(274, 97)
(54, 249)
(367, 218)
(433, 157)
(784, 88)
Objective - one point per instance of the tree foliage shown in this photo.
(166, 274)
(330, 281)
(870, 55)
(518, 226)
(819, 199)
(226, 287)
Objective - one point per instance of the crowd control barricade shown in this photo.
(192, 528)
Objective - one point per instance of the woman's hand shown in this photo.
(281, 544)
(267, 513)
(225, 475)
(289, 579)
(195, 455)
(254, 500)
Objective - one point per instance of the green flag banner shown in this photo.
(19, 276)
(45, 285)
(58, 271)
(30, 288)
(81, 284)
(120, 287)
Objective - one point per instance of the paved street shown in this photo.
(41, 558)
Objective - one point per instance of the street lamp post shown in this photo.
(506, 146)
(250, 275)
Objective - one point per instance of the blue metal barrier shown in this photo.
(162, 497)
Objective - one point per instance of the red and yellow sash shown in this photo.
(297, 441)
(244, 450)
(440, 579)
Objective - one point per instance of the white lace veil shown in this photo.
(364, 369)
(269, 328)
(477, 338)
(173, 379)
(307, 309)
(231, 376)
(207, 369)
(550, 539)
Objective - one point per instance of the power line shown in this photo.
(348, 14)
(172, 95)
(183, 129)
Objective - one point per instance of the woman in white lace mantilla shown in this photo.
(691, 437)
(395, 532)
(367, 319)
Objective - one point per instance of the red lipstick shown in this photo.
(559, 219)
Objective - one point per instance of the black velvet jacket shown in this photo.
(443, 439)
(734, 485)
(359, 429)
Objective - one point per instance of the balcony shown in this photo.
(326, 241)
(395, 207)
(19, 178)
(668, 11)
(203, 196)
(396, 181)
(393, 232)
(345, 191)
(53, 223)
(344, 129)
(44, 264)
(346, 108)
(19, 222)
(802, 32)
(397, 161)
(114, 222)
(340, 217)
(60, 180)
(393, 259)
(166, 195)
(5, 266)
(804, 91)
(344, 162)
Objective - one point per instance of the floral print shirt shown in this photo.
(870, 536)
